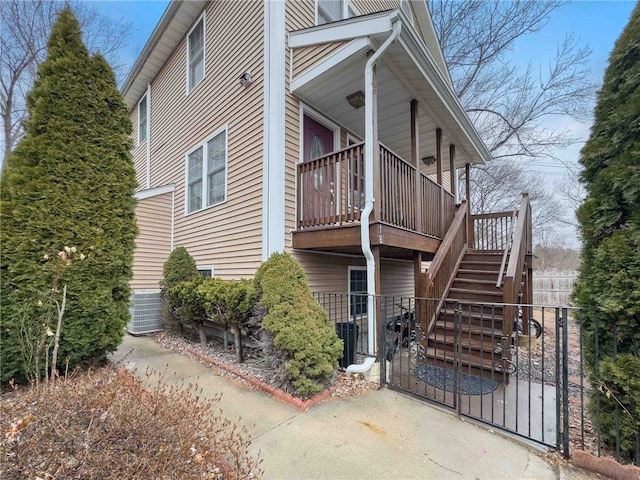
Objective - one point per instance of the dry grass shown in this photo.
(106, 424)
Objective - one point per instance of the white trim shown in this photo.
(206, 268)
(173, 217)
(202, 18)
(273, 165)
(353, 139)
(348, 4)
(406, 4)
(142, 194)
(352, 48)
(350, 269)
(148, 96)
(205, 190)
(322, 119)
(348, 29)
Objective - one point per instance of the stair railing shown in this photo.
(517, 264)
(445, 264)
(507, 250)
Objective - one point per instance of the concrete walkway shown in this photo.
(379, 435)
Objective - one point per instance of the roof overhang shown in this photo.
(405, 72)
(174, 24)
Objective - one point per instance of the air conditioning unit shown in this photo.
(145, 308)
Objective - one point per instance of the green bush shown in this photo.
(179, 267)
(188, 306)
(70, 181)
(300, 326)
(229, 303)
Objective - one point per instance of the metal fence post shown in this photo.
(565, 383)
(383, 344)
(457, 363)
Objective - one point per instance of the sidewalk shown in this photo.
(378, 435)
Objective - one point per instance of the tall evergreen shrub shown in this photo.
(608, 285)
(69, 182)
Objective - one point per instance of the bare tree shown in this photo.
(509, 104)
(498, 186)
(512, 104)
(25, 27)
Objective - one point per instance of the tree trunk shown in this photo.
(238, 341)
(203, 334)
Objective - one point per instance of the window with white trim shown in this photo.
(195, 55)
(206, 272)
(357, 291)
(328, 11)
(143, 112)
(207, 173)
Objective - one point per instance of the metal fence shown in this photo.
(545, 389)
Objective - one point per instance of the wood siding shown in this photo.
(153, 243)
(229, 235)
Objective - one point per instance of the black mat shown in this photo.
(444, 380)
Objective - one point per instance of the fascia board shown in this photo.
(343, 30)
(353, 47)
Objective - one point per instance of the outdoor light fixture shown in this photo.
(356, 100)
(430, 160)
(245, 78)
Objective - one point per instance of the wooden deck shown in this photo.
(411, 212)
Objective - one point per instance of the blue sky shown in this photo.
(596, 23)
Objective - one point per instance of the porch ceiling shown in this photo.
(400, 79)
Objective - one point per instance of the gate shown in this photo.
(520, 384)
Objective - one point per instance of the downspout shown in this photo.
(369, 199)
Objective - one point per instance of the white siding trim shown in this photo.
(142, 194)
(273, 200)
(148, 183)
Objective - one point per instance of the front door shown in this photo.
(318, 141)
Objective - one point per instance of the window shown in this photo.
(195, 53)
(207, 173)
(142, 119)
(206, 272)
(329, 11)
(357, 291)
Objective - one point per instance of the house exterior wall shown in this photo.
(366, 7)
(227, 236)
(153, 243)
(329, 274)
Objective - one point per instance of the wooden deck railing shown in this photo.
(441, 272)
(331, 193)
(490, 231)
(513, 285)
(331, 188)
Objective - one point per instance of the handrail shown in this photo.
(507, 250)
(442, 270)
(521, 247)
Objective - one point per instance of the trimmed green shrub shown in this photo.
(179, 267)
(69, 182)
(229, 303)
(300, 326)
(188, 306)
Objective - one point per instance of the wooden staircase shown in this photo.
(479, 335)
